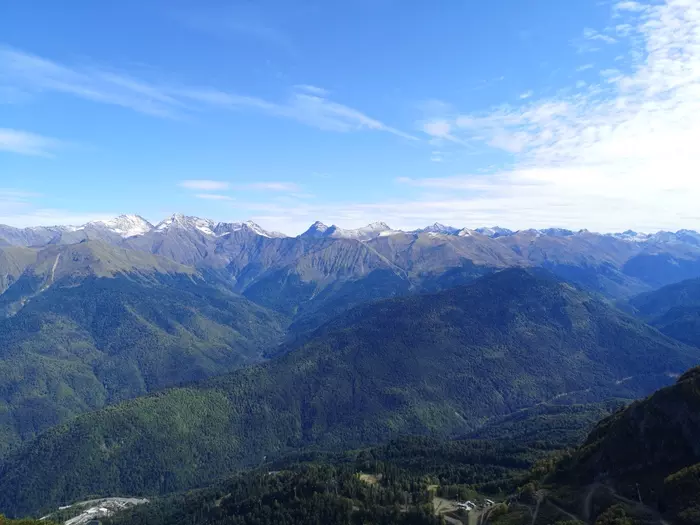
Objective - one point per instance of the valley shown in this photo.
(147, 361)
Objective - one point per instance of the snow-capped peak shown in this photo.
(365, 233)
(466, 232)
(438, 228)
(256, 228)
(376, 227)
(631, 236)
(319, 226)
(319, 230)
(316, 230)
(224, 228)
(178, 220)
(211, 228)
(124, 225)
(495, 232)
(557, 232)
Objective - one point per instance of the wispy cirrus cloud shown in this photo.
(622, 152)
(629, 6)
(23, 208)
(35, 74)
(306, 104)
(272, 186)
(204, 184)
(592, 34)
(26, 143)
(314, 90)
(212, 189)
(214, 197)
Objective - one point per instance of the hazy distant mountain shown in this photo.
(330, 266)
(437, 228)
(494, 231)
(436, 363)
(124, 225)
(319, 230)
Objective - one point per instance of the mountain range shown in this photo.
(139, 359)
(439, 364)
(328, 266)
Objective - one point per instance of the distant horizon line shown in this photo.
(424, 229)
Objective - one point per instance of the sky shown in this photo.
(517, 113)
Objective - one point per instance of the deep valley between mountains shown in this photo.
(146, 361)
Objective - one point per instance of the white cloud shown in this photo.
(211, 187)
(25, 143)
(620, 154)
(592, 34)
(629, 6)
(624, 29)
(526, 95)
(204, 185)
(309, 105)
(272, 186)
(584, 67)
(214, 197)
(21, 208)
(440, 129)
(314, 90)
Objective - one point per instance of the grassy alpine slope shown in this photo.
(436, 364)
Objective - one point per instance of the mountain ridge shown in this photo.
(129, 225)
(424, 364)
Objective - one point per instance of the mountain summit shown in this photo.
(124, 225)
(319, 230)
(315, 231)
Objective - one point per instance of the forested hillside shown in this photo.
(673, 309)
(437, 364)
(80, 344)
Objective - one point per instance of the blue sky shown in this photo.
(519, 113)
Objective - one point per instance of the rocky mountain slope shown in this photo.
(329, 269)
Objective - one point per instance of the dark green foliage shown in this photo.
(655, 304)
(7, 521)
(649, 451)
(662, 429)
(615, 515)
(385, 484)
(661, 269)
(77, 347)
(674, 310)
(681, 494)
(549, 426)
(439, 364)
(315, 494)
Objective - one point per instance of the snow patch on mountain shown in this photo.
(211, 228)
(124, 225)
(185, 222)
(438, 228)
(495, 232)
